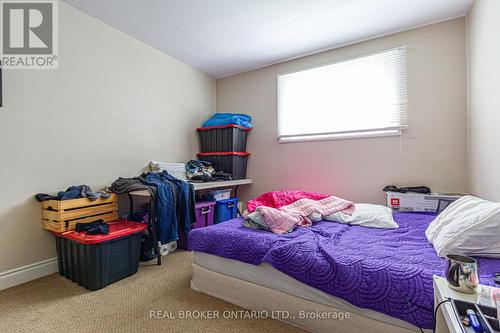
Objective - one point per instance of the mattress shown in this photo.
(267, 276)
(386, 270)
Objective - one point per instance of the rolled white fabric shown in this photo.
(167, 248)
(164, 249)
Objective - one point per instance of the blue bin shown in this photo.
(226, 210)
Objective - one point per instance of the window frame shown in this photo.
(354, 134)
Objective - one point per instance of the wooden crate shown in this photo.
(63, 215)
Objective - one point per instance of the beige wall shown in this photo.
(113, 105)
(483, 27)
(432, 151)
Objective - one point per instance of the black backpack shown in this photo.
(147, 248)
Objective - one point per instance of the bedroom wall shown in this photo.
(431, 152)
(113, 105)
(484, 99)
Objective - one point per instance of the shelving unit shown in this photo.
(205, 186)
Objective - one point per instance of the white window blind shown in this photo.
(359, 97)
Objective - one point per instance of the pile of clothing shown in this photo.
(98, 227)
(203, 171)
(282, 211)
(173, 199)
(411, 189)
(73, 192)
(222, 119)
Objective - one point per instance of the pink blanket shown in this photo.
(278, 199)
(286, 218)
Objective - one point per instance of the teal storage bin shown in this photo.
(226, 210)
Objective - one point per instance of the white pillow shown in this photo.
(469, 226)
(367, 215)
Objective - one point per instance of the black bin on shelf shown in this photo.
(228, 138)
(95, 261)
(234, 163)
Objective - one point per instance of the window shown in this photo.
(359, 97)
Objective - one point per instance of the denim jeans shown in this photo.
(174, 205)
(185, 202)
(166, 208)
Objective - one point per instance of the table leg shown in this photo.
(236, 195)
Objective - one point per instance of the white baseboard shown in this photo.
(27, 273)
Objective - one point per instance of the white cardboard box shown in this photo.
(416, 202)
(219, 195)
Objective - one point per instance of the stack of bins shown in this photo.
(225, 147)
(204, 218)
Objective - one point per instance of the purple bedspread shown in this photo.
(389, 271)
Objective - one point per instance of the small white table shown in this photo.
(221, 184)
(205, 186)
(446, 320)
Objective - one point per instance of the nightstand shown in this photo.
(446, 320)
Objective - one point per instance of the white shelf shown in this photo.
(228, 183)
(204, 186)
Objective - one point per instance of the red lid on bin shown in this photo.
(224, 153)
(224, 126)
(116, 230)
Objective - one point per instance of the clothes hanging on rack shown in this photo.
(173, 201)
(185, 201)
(174, 205)
(126, 185)
(149, 245)
(166, 208)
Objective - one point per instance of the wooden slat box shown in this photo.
(63, 215)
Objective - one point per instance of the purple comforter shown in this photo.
(389, 271)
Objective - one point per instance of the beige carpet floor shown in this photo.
(55, 304)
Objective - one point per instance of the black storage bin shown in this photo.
(95, 261)
(234, 163)
(229, 138)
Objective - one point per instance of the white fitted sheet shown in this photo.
(267, 276)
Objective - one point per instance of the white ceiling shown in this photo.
(224, 37)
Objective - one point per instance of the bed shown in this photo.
(382, 277)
